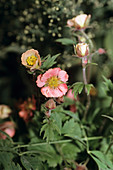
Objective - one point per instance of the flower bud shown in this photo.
(50, 104)
(4, 111)
(82, 49)
(101, 51)
(81, 167)
(79, 22)
(60, 100)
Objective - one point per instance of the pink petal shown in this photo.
(10, 131)
(70, 94)
(39, 81)
(50, 92)
(46, 91)
(63, 75)
(50, 73)
(63, 88)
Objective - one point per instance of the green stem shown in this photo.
(88, 96)
(92, 138)
(40, 144)
(89, 40)
(109, 147)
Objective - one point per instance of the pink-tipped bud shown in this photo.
(79, 22)
(82, 49)
(50, 104)
(101, 51)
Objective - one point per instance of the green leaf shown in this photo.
(99, 163)
(69, 151)
(66, 41)
(6, 161)
(109, 117)
(49, 129)
(31, 162)
(101, 160)
(72, 128)
(48, 154)
(58, 121)
(108, 86)
(88, 87)
(71, 114)
(49, 61)
(77, 88)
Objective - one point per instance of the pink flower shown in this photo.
(79, 22)
(26, 109)
(31, 59)
(82, 49)
(54, 82)
(26, 115)
(7, 127)
(5, 111)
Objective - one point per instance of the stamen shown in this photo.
(53, 82)
(31, 60)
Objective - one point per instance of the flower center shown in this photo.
(31, 60)
(53, 82)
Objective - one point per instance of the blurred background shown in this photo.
(38, 24)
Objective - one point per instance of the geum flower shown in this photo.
(31, 59)
(54, 82)
(79, 22)
(27, 108)
(7, 127)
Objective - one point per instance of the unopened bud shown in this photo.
(79, 22)
(50, 104)
(101, 51)
(82, 49)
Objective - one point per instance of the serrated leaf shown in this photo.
(66, 41)
(77, 88)
(69, 151)
(49, 62)
(72, 128)
(58, 121)
(88, 88)
(49, 129)
(6, 160)
(31, 162)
